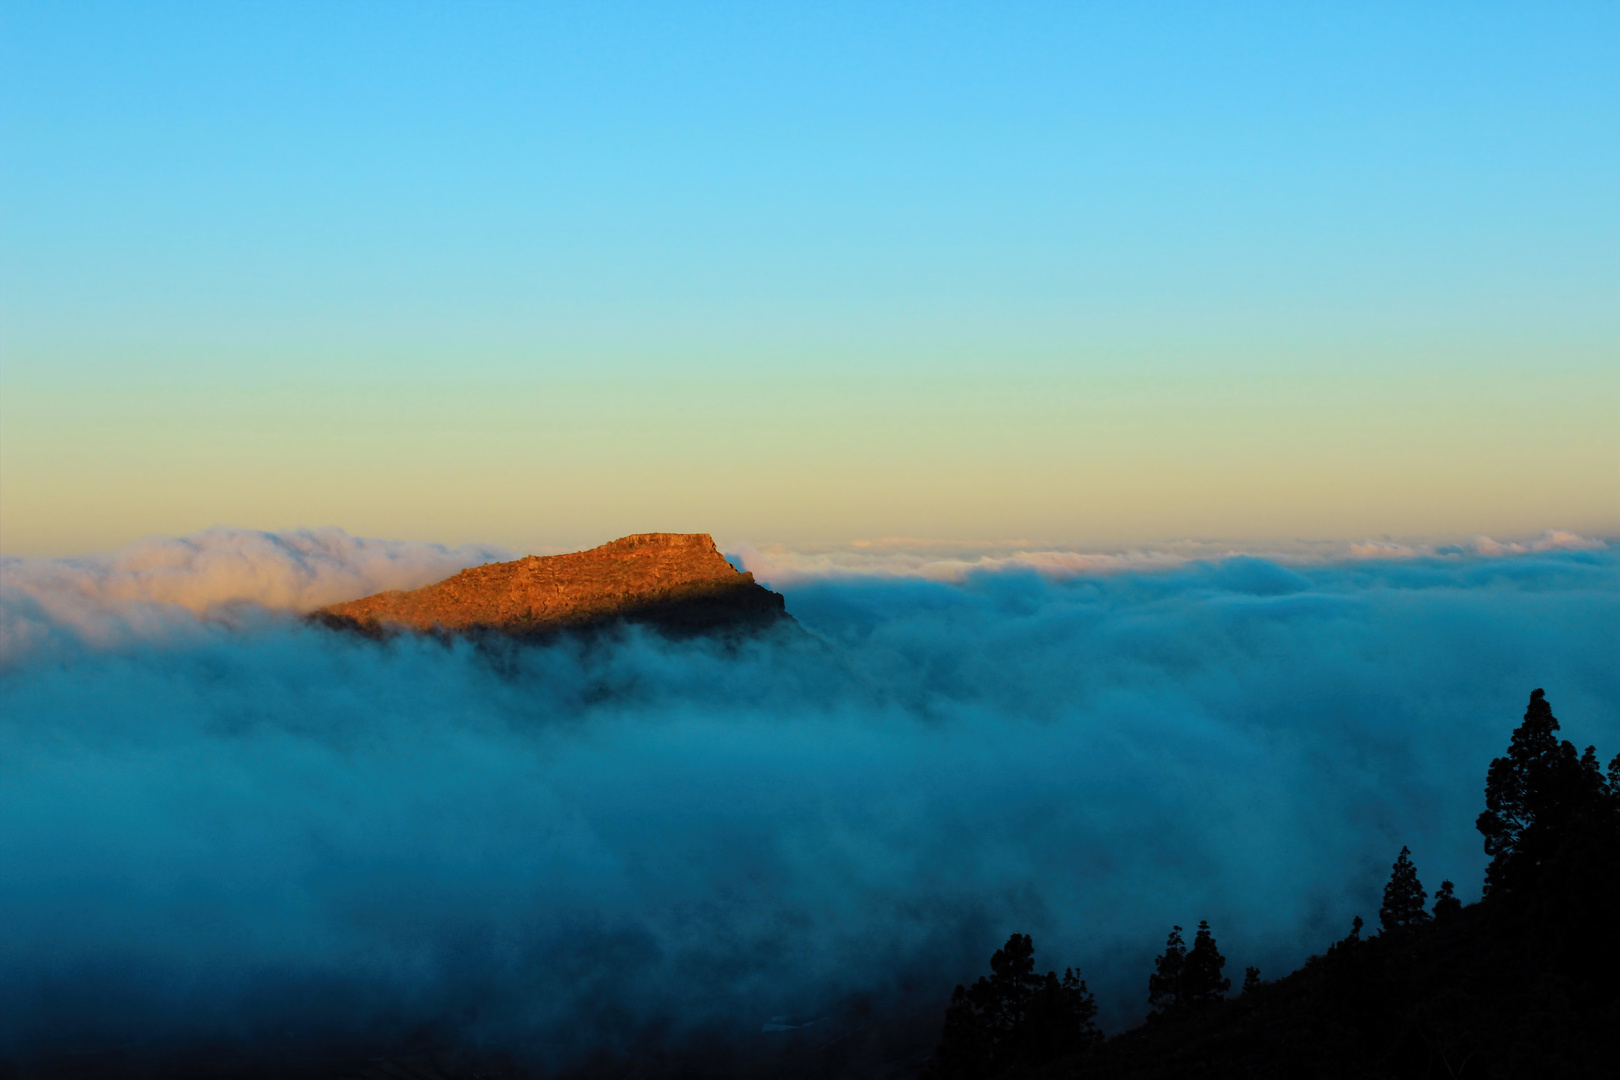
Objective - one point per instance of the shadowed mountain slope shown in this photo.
(676, 582)
(1519, 985)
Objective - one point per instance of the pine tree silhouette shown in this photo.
(1003, 999)
(1164, 985)
(1351, 940)
(1014, 1016)
(1201, 972)
(1061, 1020)
(1532, 797)
(1403, 896)
(1445, 903)
(1251, 979)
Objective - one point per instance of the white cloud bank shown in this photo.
(220, 826)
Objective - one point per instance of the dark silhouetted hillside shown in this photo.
(1525, 983)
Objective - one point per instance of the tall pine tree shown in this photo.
(1446, 903)
(1201, 973)
(1164, 985)
(1533, 795)
(1404, 898)
(1015, 1017)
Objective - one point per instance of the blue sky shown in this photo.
(283, 236)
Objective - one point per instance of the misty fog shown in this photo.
(217, 820)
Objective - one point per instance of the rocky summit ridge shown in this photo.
(676, 582)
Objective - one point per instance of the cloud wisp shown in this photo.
(148, 588)
(227, 827)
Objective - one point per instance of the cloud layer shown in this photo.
(945, 560)
(234, 825)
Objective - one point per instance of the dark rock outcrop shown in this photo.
(678, 583)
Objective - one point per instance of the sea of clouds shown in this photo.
(218, 821)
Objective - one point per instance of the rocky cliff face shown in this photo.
(677, 582)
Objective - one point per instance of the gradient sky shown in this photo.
(541, 275)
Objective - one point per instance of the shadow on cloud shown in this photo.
(218, 822)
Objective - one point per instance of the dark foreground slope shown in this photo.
(1486, 993)
(678, 583)
(1525, 983)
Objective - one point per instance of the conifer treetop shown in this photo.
(1404, 898)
